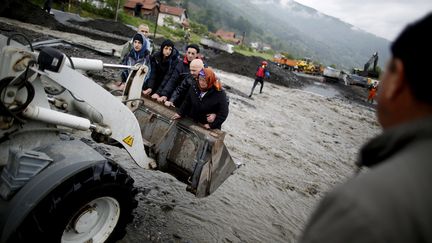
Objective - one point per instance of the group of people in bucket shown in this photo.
(186, 84)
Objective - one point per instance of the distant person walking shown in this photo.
(260, 74)
(390, 202)
(373, 88)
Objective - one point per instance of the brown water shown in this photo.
(293, 145)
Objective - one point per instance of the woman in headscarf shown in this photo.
(205, 97)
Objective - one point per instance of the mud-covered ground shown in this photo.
(294, 144)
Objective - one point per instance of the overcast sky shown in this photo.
(384, 18)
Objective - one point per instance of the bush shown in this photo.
(198, 29)
(178, 33)
(104, 12)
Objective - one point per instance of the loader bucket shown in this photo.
(194, 155)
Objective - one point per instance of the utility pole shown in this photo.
(117, 9)
(243, 36)
(156, 23)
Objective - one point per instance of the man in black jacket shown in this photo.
(180, 92)
(392, 201)
(163, 64)
(179, 74)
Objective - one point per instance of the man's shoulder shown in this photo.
(386, 203)
(383, 190)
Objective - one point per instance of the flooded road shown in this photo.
(294, 146)
(322, 89)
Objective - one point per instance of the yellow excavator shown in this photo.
(306, 65)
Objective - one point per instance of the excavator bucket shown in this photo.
(194, 155)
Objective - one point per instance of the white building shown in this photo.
(254, 45)
(177, 14)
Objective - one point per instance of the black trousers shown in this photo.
(257, 80)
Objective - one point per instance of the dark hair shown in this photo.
(414, 48)
(194, 46)
(167, 42)
(140, 37)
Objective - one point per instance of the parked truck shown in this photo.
(55, 187)
(218, 46)
(332, 74)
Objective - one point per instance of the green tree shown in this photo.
(242, 24)
(185, 4)
(112, 4)
(198, 28)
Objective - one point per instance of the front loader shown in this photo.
(55, 187)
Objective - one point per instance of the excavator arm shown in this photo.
(373, 59)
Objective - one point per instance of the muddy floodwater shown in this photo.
(293, 145)
(322, 89)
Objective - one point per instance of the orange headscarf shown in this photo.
(211, 79)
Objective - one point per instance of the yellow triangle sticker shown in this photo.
(128, 140)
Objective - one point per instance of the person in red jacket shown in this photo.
(372, 92)
(260, 74)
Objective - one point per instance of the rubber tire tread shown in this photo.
(49, 218)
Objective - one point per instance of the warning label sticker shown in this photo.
(128, 140)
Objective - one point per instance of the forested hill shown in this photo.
(291, 27)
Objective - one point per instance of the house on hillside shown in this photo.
(227, 36)
(98, 3)
(147, 8)
(178, 15)
(260, 46)
(266, 47)
(151, 9)
(254, 45)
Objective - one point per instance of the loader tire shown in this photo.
(94, 205)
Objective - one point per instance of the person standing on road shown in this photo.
(391, 202)
(373, 87)
(260, 74)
